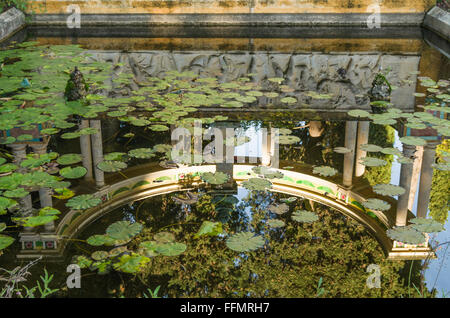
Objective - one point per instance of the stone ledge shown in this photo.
(261, 19)
(10, 22)
(438, 21)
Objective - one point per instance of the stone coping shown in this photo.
(438, 20)
(10, 22)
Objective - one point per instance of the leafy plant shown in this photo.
(245, 242)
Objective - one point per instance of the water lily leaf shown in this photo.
(6, 203)
(171, 249)
(63, 193)
(124, 230)
(325, 171)
(81, 261)
(376, 205)
(73, 173)
(257, 184)
(209, 228)
(404, 160)
(69, 159)
(278, 80)
(245, 242)
(2, 226)
(99, 240)
(117, 251)
(278, 208)
(215, 178)
(413, 141)
(388, 189)
(392, 151)
(16, 193)
(141, 153)
(99, 255)
(32, 221)
(372, 162)
(83, 201)
(289, 200)
(426, 225)
(304, 216)
(8, 167)
(159, 128)
(131, 263)
(115, 156)
(288, 100)
(70, 135)
(268, 173)
(275, 223)
(5, 241)
(48, 210)
(406, 234)
(371, 148)
(111, 166)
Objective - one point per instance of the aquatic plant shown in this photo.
(245, 242)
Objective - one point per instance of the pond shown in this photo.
(207, 162)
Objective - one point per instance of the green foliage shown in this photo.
(382, 136)
(440, 188)
(245, 242)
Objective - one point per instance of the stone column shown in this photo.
(363, 138)
(415, 176)
(97, 152)
(44, 193)
(426, 176)
(349, 158)
(274, 149)
(405, 183)
(26, 209)
(265, 148)
(86, 151)
(19, 151)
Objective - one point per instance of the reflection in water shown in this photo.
(292, 110)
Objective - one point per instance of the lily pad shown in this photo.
(304, 216)
(376, 205)
(278, 208)
(111, 166)
(341, 150)
(99, 240)
(209, 228)
(388, 189)
(406, 234)
(257, 184)
(288, 139)
(325, 171)
(171, 249)
(83, 201)
(142, 153)
(268, 173)
(413, 141)
(69, 159)
(73, 173)
(426, 225)
(130, 263)
(124, 230)
(5, 241)
(371, 148)
(372, 162)
(215, 178)
(275, 223)
(99, 255)
(245, 242)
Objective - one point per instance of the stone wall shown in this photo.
(303, 72)
(10, 22)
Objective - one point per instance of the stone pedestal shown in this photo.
(97, 152)
(86, 151)
(363, 138)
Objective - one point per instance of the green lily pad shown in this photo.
(114, 156)
(8, 167)
(371, 148)
(288, 139)
(275, 223)
(141, 153)
(325, 171)
(372, 162)
(245, 242)
(73, 173)
(257, 184)
(388, 189)
(413, 141)
(376, 205)
(171, 249)
(32, 221)
(426, 225)
(341, 150)
(215, 178)
(358, 113)
(268, 173)
(99, 240)
(209, 228)
(99, 255)
(304, 216)
(83, 201)
(81, 261)
(69, 159)
(5, 241)
(124, 230)
(130, 263)
(278, 208)
(406, 234)
(111, 166)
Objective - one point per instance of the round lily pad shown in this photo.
(257, 184)
(124, 230)
(388, 189)
(69, 159)
(325, 171)
(73, 173)
(413, 141)
(141, 153)
(215, 178)
(245, 242)
(111, 166)
(426, 225)
(83, 201)
(304, 216)
(406, 234)
(278, 208)
(275, 223)
(376, 205)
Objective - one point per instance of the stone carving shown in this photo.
(348, 77)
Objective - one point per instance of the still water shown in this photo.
(315, 124)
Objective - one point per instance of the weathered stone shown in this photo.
(438, 20)
(11, 21)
